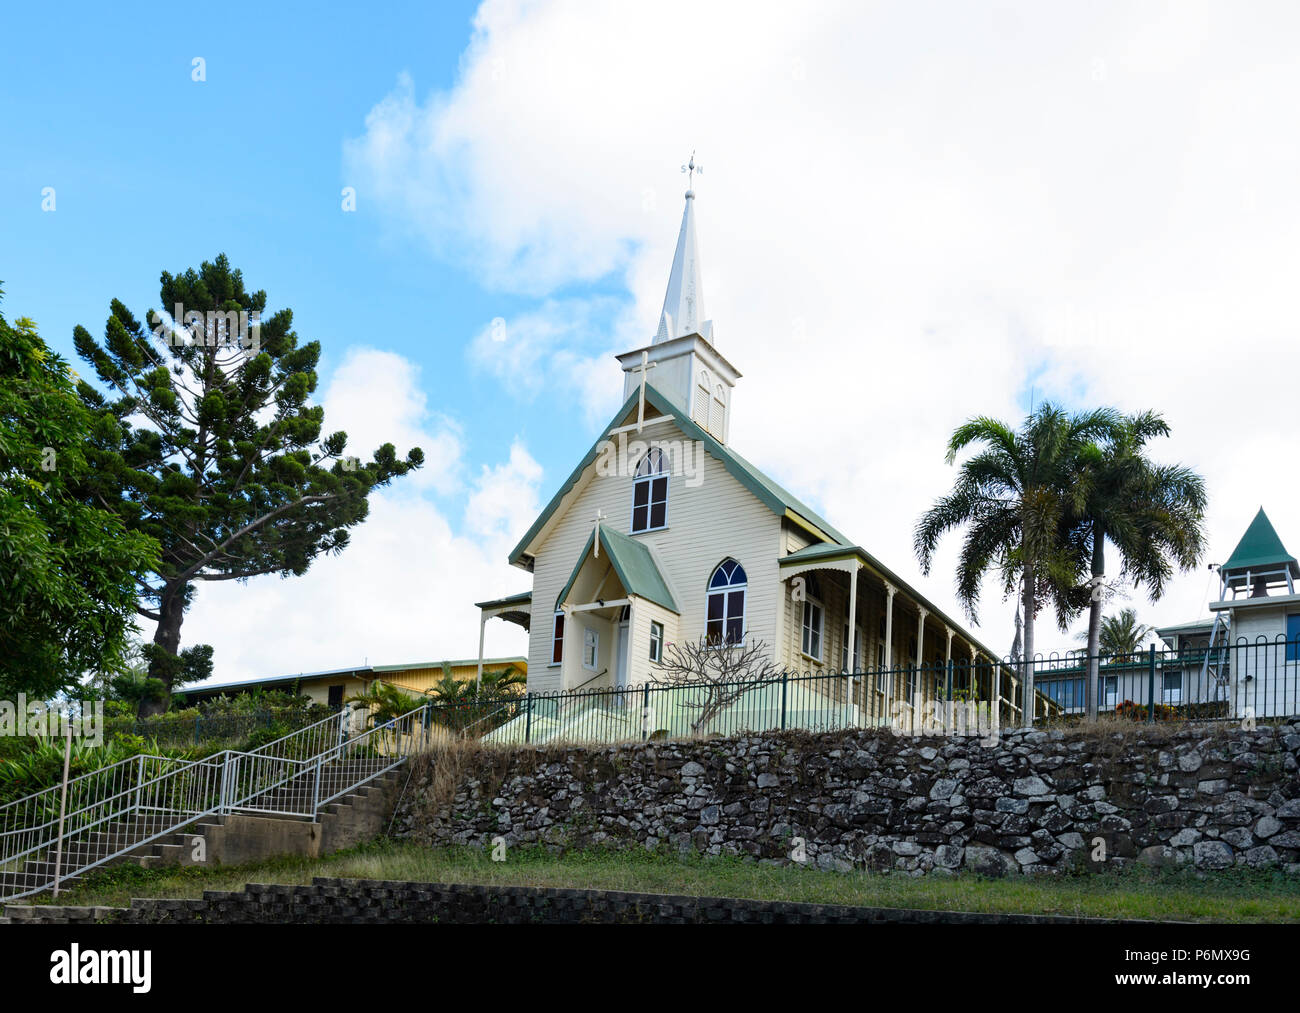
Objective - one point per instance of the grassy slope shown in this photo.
(1235, 896)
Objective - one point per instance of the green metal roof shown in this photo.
(634, 565)
(822, 550)
(360, 671)
(1196, 626)
(512, 599)
(776, 498)
(1260, 548)
(461, 663)
(826, 550)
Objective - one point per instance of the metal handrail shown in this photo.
(74, 782)
(131, 805)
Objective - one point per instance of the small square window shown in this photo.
(1173, 687)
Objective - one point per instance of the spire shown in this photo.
(1259, 548)
(683, 311)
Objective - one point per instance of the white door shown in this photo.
(620, 657)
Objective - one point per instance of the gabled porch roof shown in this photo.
(633, 564)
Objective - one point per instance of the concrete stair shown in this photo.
(348, 820)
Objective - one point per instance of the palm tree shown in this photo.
(502, 682)
(1151, 513)
(384, 703)
(1121, 636)
(1014, 498)
(469, 704)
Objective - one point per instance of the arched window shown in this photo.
(557, 637)
(700, 409)
(650, 492)
(726, 621)
(717, 411)
(813, 618)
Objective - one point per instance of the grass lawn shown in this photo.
(1234, 896)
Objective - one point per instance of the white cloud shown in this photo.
(404, 589)
(556, 349)
(495, 512)
(909, 214)
(375, 397)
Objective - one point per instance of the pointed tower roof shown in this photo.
(1260, 548)
(683, 311)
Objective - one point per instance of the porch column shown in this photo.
(631, 633)
(997, 697)
(482, 624)
(570, 647)
(890, 591)
(921, 613)
(918, 679)
(947, 675)
(853, 631)
(853, 612)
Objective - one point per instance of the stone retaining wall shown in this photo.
(1212, 797)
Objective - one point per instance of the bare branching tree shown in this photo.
(721, 674)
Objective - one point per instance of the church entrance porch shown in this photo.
(606, 606)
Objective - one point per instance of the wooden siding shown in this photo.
(708, 522)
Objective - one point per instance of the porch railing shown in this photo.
(1256, 679)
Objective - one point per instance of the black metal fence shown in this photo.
(1241, 680)
(1236, 681)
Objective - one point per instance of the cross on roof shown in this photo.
(595, 538)
(643, 369)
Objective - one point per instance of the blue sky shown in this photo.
(910, 214)
(153, 171)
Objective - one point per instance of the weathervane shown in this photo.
(691, 169)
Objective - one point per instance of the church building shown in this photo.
(664, 533)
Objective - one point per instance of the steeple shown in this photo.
(687, 369)
(683, 311)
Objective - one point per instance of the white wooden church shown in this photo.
(664, 533)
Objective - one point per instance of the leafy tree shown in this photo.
(1120, 636)
(1013, 497)
(1151, 513)
(68, 569)
(208, 442)
(716, 675)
